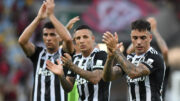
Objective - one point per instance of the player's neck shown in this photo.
(51, 51)
(87, 52)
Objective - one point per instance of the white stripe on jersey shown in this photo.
(86, 91)
(43, 87)
(95, 98)
(36, 77)
(130, 96)
(109, 91)
(52, 87)
(79, 90)
(62, 93)
(163, 81)
(137, 91)
(148, 89)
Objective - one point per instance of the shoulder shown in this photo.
(130, 56)
(152, 57)
(77, 55)
(152, 53)
(100, 53)
(38, 49)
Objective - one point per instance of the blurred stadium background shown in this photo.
(16, 70)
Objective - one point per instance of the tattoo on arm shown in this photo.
(107, 72)
(111, 73)
(117, 72)
(94, 76)
(130, 69)
(67, 85)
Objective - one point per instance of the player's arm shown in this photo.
(72, 22)
(130, 69)
(93, 76)
(111, 72)
(60, 28)
(66, 82)
(24, 42)
(160, 41)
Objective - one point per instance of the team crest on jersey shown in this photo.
(149, 62)
(99, 63)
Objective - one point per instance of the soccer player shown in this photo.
(73, 95)
(86, 68)
(145, 69)
(47, 86)
(163, 48)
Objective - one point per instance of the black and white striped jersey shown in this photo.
(147, 88)
(47, 85)
(87, 90)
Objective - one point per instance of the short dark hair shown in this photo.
(48, 25)
(141, 25)
(83, 27)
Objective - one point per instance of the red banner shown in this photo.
(114, 15)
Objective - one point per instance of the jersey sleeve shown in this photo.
(71, 73)
(99, 60)
(154, 62)
(35, 56)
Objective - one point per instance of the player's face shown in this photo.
(141, 41)
(51, 39)
(84, 40)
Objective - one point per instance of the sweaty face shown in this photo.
(51, 39)
(84, 40)
(141, 41)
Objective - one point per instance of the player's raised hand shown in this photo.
(111, 41)
(153, 23)
(120, 46)
(57, 69)
(50, 7)
(42, 14)
(72, 22)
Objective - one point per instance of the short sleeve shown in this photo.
(154, 62)
(35, 56)
(71, 73)
(99, 60)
